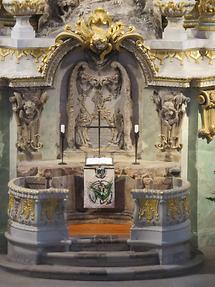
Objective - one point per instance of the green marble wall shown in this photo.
(4, 164)
(201, 165)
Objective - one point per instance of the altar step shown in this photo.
(86, 273)
(101, 258)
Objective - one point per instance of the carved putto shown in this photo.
(170, 107)
(27, 108)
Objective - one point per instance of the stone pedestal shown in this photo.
(36, 219)
(175, 31)
(22, 29)
(161, 219)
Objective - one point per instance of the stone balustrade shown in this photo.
(36, 219)
(161, 219)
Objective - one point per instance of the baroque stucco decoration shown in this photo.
(107, 90)
(207, 104)
(27, 107)
(170, 107)
(101, 40)
(99, 34)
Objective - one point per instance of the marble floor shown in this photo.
(205, 277)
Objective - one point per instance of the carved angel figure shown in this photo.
(105, 90)
(27, 108)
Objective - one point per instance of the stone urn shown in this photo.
(23, 10)
(175, 11)
(206, 25)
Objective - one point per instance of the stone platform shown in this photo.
(102, 259)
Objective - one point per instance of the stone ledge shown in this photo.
(103, 273)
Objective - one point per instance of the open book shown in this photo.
(99, 161)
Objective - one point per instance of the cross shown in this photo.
(99, 127)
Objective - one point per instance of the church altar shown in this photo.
(99, 80)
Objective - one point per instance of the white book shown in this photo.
(99, 161)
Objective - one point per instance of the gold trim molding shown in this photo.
(159, 57)
(36, 53)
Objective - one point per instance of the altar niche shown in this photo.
(105, 89)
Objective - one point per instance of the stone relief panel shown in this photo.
(106, 89)
(170, 106)
(27, 106)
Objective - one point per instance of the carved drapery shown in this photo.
(105, 89)
(207, 104)
(27, 106)
(170, 106)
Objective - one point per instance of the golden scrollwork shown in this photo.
(11, 203)
(98, 33)
(207, 15)
(149, 210)
(207, 6)
(28, 209)
(24, 7)
(207, 102)
(172, 8)
(159, 57)
(191, 19)
(21, 53)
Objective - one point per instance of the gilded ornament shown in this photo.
(149, 210)
(28, 209)
(11, 203)
(174, 8)
(36, 53)
(207, 15)
(191, 19)
(207, 103)
(24, 7)
(98, 33)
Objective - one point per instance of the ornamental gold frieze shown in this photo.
(35, 53)
(99, 34)
(149, 211)
(162, 57)
(207, 104)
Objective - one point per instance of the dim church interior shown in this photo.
(107, 120)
